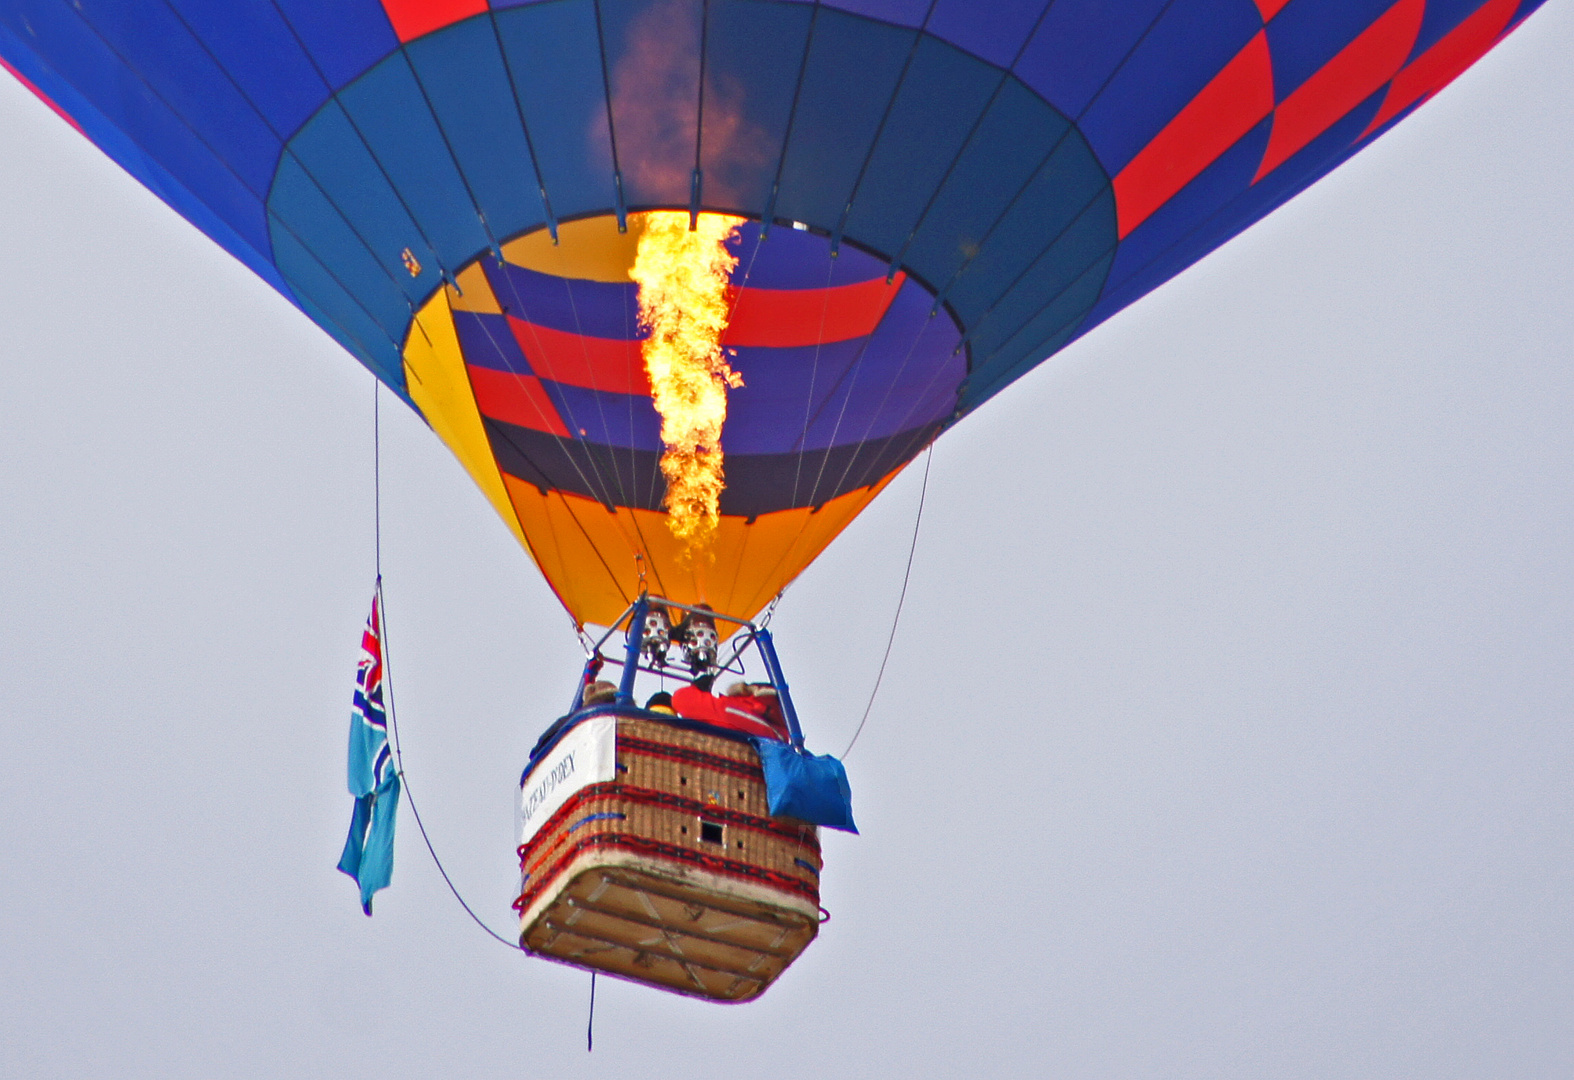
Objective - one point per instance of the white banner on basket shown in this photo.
(587, 755)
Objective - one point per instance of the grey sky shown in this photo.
(1228, 732)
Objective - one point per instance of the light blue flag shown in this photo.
(369, 849)
(373, 779)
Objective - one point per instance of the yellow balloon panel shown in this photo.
(435, 373)
(590, 249)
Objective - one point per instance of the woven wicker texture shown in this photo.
(674, 874)
(671, 783)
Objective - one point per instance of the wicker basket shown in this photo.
(673, 874)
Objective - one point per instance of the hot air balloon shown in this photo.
(685, 283)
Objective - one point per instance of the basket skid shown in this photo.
(628, 917)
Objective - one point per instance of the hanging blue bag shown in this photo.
(809, 787)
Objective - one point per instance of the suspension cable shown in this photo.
(900, 600)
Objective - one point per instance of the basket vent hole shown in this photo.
(740, 845)
(710, 833)
(683, 779)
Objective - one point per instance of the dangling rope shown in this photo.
(590, 1026)
(900, 600)
(393, 722)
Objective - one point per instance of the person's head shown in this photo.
(739, 689)
(660, 702)
(599, 692)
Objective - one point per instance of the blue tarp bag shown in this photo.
(809, 787)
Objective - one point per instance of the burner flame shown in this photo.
(683, 277)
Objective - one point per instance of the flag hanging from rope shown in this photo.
(373, 779)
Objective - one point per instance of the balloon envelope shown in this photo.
(940, 195)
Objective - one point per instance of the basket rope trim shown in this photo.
(715, 864)
(599, 793)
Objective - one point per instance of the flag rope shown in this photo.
(393, 721)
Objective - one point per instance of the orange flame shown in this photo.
(683, 304)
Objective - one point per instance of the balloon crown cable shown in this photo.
(676, 845)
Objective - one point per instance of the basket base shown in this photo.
(636, 917)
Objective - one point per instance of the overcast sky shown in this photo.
(1227, 734)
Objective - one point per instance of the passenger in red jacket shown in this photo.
(753, 710)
